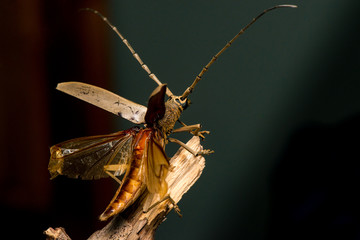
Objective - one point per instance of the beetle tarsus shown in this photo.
(204, 152)
(200, 133)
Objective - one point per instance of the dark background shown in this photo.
(282, 105)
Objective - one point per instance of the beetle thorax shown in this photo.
(173, 110)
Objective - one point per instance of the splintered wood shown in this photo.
(134, 222)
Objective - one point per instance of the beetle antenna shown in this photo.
(213, 59)
(127, 44)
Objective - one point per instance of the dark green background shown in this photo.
(282, 105)
(293, 68)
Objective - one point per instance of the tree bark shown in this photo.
(134, 222)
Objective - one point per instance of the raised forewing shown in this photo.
(106, 100)
(86, 157)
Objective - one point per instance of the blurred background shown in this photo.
(282, 105)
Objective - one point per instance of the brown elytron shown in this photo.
(136, 157)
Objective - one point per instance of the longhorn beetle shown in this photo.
(136, 157)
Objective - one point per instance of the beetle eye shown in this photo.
(184, 103)
(178, 101)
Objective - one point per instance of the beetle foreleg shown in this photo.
(188, 128)
(193, 129)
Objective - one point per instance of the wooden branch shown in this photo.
(57, 233)
(134, 223)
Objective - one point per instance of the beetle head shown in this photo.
(183, 103)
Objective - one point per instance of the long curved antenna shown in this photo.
(127, 44)
(213, 59)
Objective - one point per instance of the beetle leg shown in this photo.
(193, 129)
(113, 177)
(188, 128)
(202, 152)
(175, 206)
(108, 168)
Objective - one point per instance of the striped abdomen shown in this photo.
(132, 185)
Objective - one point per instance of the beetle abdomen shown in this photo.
(132, 185)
